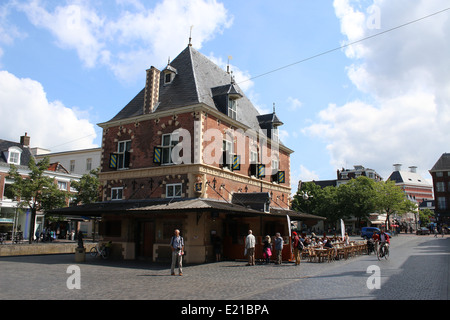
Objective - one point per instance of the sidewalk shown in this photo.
(59, 246)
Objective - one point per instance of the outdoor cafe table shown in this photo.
(320, 253)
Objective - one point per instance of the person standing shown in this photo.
(296, 244)
(177, 246)
(279, 247)
(250, 243)
(267, 249)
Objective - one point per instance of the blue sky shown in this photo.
(67, 65)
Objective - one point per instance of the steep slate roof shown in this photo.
(5, 145)
(196, 77)
(443, 163)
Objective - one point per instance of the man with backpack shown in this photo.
(297, 244)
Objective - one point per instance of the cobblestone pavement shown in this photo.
(418, 268)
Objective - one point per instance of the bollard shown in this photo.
(80, 255)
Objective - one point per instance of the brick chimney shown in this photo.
(151, 95)
(25, 140)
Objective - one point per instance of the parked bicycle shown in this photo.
(101, 250)
(2, 237)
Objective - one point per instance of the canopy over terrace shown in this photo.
(164, 205)
(197, 218)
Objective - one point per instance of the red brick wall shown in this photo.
(145, 135)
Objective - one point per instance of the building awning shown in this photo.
(158, 206)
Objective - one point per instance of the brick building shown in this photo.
(190, 151)
(441, 185)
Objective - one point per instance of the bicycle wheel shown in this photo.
(386, 253)
(103, 254)
(94, 251)
(380, 253)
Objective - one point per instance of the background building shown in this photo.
(416, 188)
(75, 161)
(14, 220)
(441, 185)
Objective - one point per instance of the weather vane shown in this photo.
(190, 37)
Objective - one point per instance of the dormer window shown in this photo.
(275, 134)
(167, 78)
(169, 74)
(14, 154)
(232, 108)
(225, 98)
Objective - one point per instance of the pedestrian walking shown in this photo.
(435, 231)
(250, 243)
(267, 249)
(177, 246)
(279, 247)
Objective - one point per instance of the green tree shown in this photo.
(392, 200)
(357, 198)
(87, 188)
(307, 197)
(36, 191)
(425, 217)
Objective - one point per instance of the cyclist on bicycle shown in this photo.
(383, 238)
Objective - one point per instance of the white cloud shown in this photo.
(136, 39)
(301, 174)
(404, 75)
(75, 26)
(294, 104)
(50, 124)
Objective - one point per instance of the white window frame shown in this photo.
(14, 154)
(62, 185)
(167, 146)
(122, 147)
(227, 147)
(4, 197)
(173, 187)
(275, 165)
(232, 108)
(115, 192)
(253, 157)
(72, 165)
(89, 164)
(275, 134)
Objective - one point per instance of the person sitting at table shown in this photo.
(329, 245)
(307, 242)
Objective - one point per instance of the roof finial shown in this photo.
(228, 64)
(274, 107)
(190, 37)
